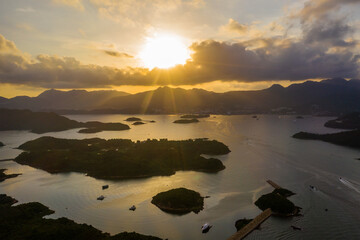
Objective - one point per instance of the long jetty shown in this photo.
(251, 226)
(242, 233)
(274, 185)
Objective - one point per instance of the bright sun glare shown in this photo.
(164, 51)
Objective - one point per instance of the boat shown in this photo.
(105, 187)
(205, 228)
(133, 208)
(313, 188)
(101, 198)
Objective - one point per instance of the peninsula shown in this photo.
(25, 221)
(4, 176)
(43, 122)
(179, 201)
(121, 158)
(347, 138)
(348, 121)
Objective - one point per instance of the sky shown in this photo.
(137, 45)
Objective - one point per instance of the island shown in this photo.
(138, 123)
(4, 176)
(193, 120)
(25, 221)
(1, 144)
(195, 116)
(121, 158)
(133, 119)
(179, 201)
(348, 121)
(94, 127)
(347, 138)
(278, 203)
(239, 224)
(43, 122)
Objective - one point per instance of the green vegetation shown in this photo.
(239, 224)
(4, 176)
(138, 123)
(195, 116)
(25, 221)
(193, 120)
(133, 119)
(348, 138)
(94, 127)
(1, 144)
(42, 122)
(278, 204)
(348, 121)
(121, 158)
(179, 201)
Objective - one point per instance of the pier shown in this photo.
(274, 185)
(251, 226)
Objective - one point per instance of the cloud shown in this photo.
(316, 9)
(235, 26)
(323, 49)
(133, 12)
(118, 54)
(7, 46)
(77, 4)
(25, 10)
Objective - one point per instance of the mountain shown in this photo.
(328, 96)
(55, 99)
(332, 95)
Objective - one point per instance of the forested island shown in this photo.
(133, 119)
(239, 224)
(4, 176)
(121, 158)
(193, 120)
(25, 221)
(348, 121)
(42, 122)
(94, 127)
(278, 203)
(195, 116)
(138, 123)
(347, 138)
(179, 201)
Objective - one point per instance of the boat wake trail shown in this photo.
(349, 184)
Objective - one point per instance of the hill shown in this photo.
(42, 122)
(56, 99)
(331, 96)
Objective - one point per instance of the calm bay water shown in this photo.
(261, 149)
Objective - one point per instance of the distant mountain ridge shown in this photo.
(55, 99)
(335, 96)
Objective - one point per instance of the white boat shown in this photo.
(205, 228)
(133, 208)
(101, 198)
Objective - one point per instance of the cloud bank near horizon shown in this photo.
(324, 49)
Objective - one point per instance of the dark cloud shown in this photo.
(316, 9)
(117, 54)
(329, 31)
(323, 50)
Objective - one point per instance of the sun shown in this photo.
(164, 51)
